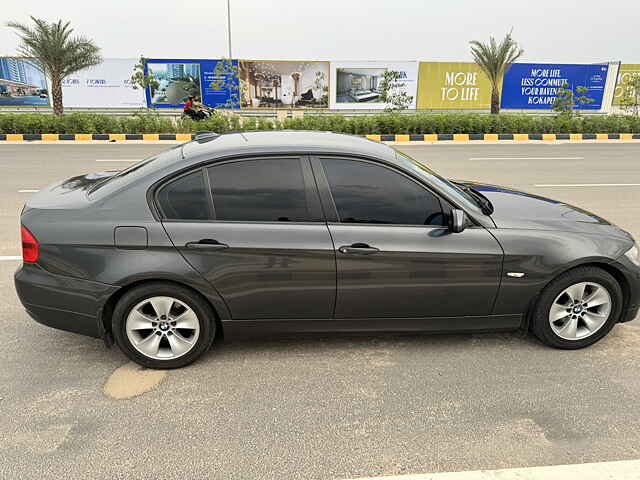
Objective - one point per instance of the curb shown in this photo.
(466, 137)
(84, 137)
(428, 137)
(616, 470)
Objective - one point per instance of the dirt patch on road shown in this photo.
(131, 380)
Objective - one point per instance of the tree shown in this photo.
(59, 53)
(142, 79)
(392, 91)
(566, 101)
(494, 59)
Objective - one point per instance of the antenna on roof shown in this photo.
(203, 136)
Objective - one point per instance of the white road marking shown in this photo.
(118, 160)
(28, 190)
(526, 158)
(587, 185)
(8, 258)
(621, 470)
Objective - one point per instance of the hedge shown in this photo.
(365, 124)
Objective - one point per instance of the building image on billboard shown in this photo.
(358, 85)
(22, 83)
(284, 84)
(176, 82)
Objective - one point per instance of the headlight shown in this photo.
(633, 254)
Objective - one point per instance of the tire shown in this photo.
(179, 342)
(592, 323)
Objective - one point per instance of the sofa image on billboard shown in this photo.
(284, 84)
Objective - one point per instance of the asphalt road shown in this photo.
(329, 407)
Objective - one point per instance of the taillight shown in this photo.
(30, 246)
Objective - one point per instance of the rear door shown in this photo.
(254, 229)
(395, 256)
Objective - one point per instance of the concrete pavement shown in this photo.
(328, 407)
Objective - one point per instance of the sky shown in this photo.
(567, 31)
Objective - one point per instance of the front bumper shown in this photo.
(62, 302)
(631, 274)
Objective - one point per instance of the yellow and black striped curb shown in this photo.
(465, 137)
(427, 137)
(79, 137)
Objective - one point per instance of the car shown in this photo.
(294, 232)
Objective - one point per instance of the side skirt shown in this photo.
(234, 329)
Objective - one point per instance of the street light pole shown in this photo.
(229, 26)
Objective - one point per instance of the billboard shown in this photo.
(626, 73)
(356, 85)
(22, 83)
(213, 82)
(103, 86)
(535, 86)
(453, 85)
(284, 84)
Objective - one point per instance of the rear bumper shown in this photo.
(62, 302)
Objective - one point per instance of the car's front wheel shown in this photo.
(162, 325)
(578, 308)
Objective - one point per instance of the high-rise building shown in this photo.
(192, 69)
(175, 70)
(12, 69)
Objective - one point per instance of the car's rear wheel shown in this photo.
(578, 308)
(162, 325)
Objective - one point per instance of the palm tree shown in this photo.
(494, 59)
(58, 53)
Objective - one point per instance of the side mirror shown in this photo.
(458, 221)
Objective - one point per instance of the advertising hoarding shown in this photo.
(356, 84)
(623, 90)
(284, 84)
(535, 86)
(103, 86)
(22, 83)
(453, 85)
(213, 83)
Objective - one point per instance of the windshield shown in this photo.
(451, 189)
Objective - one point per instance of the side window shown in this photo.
(185, 198)
(261, 190)
(368, 193)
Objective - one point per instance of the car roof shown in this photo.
(285, 141)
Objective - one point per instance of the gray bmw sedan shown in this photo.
(312, 232)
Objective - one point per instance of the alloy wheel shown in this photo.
(162, 328)
(580, 310)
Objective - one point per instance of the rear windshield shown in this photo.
(123, 175)
(135, 171)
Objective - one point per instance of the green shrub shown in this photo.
(382, 123)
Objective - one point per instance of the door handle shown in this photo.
(207, 244)
(358, 248)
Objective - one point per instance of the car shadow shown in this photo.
(350, 342)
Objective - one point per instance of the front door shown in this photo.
(395, 256)
(258, 236)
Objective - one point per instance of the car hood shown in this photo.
(516, 209)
